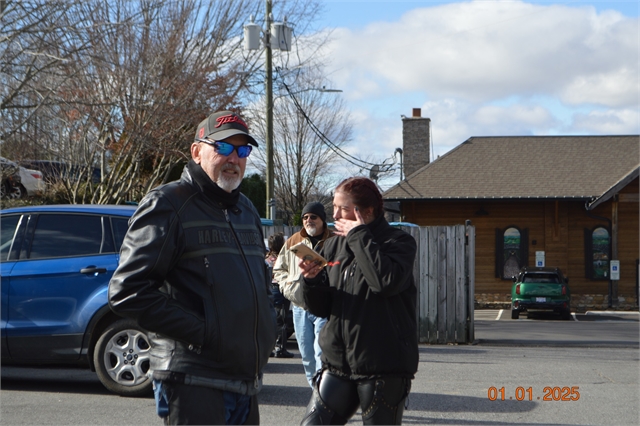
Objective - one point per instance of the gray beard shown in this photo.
(229, 184)
(311, 230)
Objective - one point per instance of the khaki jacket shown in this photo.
(286, 271)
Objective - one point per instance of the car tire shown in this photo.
(121, 359)
(19, 192)
(566, 315)
(515, 314)
(5, 189)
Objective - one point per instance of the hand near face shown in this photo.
(347, 222)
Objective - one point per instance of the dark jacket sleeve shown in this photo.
(385, 265)
(317, 294)
(150, 250)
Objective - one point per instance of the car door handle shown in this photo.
(93, 270)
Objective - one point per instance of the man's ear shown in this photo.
(195, 152)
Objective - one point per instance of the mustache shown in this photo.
(233, 167)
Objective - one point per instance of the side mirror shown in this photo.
(514, 278)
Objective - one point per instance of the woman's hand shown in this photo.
(309, 269)
(343, 226)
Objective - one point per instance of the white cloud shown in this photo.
(487, 68)
(513, 119)
(618, 88)
(612, 122)
(480, 51)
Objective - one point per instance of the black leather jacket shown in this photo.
(368, 294)
(192, 273)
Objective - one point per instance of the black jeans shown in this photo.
(336, 399)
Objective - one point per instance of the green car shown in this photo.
(544, 289)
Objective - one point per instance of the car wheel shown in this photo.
(15, 192)
(19, 192)
(566, 314)
(121, 359)
(5, 189)
(515, 314)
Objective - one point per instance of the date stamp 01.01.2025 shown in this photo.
(549, 393)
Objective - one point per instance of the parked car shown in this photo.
(540, 289)
(32, 182)
(20, 182)
(56, 170)
(10, 185)
(56, 263)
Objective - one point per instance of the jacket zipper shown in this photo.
(256, 380)
(213, 298)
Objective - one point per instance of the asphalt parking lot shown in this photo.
(505, 315)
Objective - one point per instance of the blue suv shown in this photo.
(56, 263)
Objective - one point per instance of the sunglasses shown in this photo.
(309, 217)
(226, 149)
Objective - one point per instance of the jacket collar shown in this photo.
(209, 188)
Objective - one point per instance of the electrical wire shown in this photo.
(362, 164)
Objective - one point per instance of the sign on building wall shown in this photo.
(615, 269)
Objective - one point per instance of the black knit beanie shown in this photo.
(315, 208)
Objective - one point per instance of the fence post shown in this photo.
(470, 274)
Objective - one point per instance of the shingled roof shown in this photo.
(574, 167)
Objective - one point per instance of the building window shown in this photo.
(597, 250)
(512, 251)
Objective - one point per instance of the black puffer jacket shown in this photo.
(192, 272)
(368, 293)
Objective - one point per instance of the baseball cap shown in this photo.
(223, 124)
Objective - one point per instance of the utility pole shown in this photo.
(268, 83)
(281, 32)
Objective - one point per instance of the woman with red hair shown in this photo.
(367, 292)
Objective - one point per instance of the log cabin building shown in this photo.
(566, 201)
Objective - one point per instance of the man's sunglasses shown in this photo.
(309, 217)
(226, 149)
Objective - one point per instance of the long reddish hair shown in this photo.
(363, 192)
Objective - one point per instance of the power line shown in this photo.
(362, 164)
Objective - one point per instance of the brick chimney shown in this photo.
(415, 142)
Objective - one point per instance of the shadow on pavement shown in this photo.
(54, 386)
(285, 395)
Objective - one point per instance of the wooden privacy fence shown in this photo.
(444, 272)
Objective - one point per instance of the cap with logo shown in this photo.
(223, 124)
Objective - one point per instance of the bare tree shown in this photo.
(37, 38)
(126, 84)
(309, 126)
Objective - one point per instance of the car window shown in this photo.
(542, 278)
(58, 235)
(7, 230)
(120, 226)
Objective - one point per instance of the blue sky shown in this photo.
(358, 14)
(483, 68)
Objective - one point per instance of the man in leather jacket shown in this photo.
(192, 273)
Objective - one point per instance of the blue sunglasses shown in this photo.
(226, 149)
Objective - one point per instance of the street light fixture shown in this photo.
(322, 89)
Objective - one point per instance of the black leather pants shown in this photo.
(336, 399)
